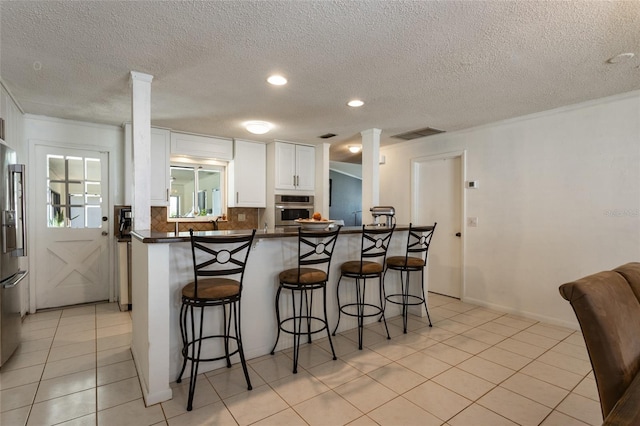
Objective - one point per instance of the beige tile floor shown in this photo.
(474, 367)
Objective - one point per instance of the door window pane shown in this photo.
(56, 169)
(93, 188)
(74, 192)
(57, 192)
(93, 169)
(55, 216)
(75, 168)
(76, 189)
(93, 216)
(77, 217)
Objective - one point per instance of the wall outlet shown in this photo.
(472, 222)
(241, 217)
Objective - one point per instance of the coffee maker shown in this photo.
(124, 221)
(387, 212)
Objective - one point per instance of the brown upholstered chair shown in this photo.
(218, 267)
(607, 305)
(315, 249)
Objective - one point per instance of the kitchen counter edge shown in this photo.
(153, 237)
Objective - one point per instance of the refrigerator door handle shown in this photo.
(18, 199)
(15, 279)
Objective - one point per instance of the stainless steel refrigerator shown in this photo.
(13, 246)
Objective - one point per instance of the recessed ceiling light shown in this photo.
(621, 58)
(354, 148)
(258, 127)
(355, 103)
(277, 80)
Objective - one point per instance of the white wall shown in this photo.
(558, 199)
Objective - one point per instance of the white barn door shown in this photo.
(71, 201)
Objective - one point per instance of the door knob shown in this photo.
(458, 234)
(105, 233)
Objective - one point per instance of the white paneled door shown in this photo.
(438, 198)
(71, 201)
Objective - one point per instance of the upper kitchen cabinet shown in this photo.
(160, 175)
(247, 173)
(201, 146)
(294, 167)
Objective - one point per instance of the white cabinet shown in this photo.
(201, 146)
(295, 166)
(160, 173)
(306, 167)
(247, 173)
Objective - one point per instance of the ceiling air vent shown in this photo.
(420, 133)
(327, 135)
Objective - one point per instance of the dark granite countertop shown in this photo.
(153, 237)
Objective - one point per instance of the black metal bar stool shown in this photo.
(218, 265)
(373, 251)
(315, 248)
(414, 260)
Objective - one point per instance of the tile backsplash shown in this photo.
(159, 221)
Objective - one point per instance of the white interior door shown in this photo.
(71, 250)
(438, 198)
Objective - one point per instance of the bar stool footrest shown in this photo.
(413, 300)
(376, 309)
(185, 349)
(303, 331)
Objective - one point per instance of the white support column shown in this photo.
(370, 171)
(322, 179)
(141, 136)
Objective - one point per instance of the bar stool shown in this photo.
(314, 248)
(373, 251)
(415, 259)
(218, 266)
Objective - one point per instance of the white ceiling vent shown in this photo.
(420, 133)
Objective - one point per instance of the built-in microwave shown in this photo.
(288, 208)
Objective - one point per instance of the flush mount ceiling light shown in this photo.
(277, 80)
(621, 58)
(354, 148)
(258, 127)
(355, 103)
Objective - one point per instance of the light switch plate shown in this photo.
(241, 217)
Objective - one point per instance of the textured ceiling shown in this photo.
(449, 65)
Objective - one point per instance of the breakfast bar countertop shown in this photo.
(153, 237)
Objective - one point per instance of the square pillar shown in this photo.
(141, 137)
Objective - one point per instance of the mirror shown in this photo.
(196, 191)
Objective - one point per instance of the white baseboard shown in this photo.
(548, 320)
